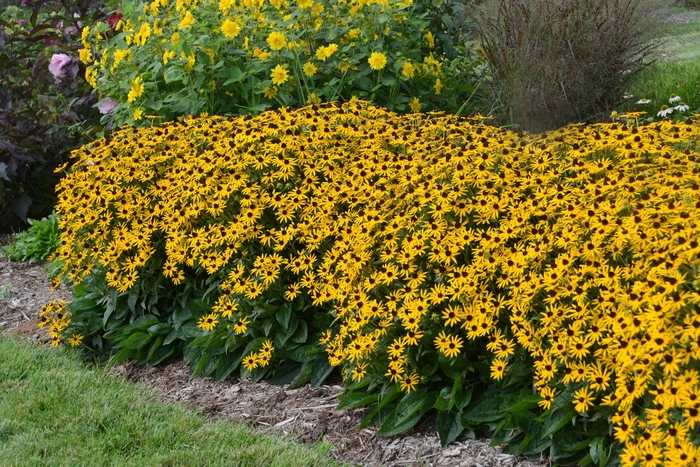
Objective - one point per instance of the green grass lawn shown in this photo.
(682, 40)
(56, 410)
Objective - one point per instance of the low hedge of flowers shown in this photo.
(170, 58)
(542, 289)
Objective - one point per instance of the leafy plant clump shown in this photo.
(37, 243)
(555, 62)
(167, 58)
(543, 290)
(46, 106)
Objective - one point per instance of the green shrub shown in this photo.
(41, 118)
(174, 58)
(537, 289)
(37, 243)
(554, 62)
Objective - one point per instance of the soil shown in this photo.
(306, 413)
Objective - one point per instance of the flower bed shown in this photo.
(508, 284)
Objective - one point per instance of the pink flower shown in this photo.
(105, 106)
(27, 2)
(57, 67)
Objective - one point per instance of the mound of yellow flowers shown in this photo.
(428, 235)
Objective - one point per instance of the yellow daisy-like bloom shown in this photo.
(304, 4)
(75, 340)
(498, 368)
(241, 326)
(279, 75)
(310, 69)
(136, 90)
(359, 372)
(377, 61)
(415, 105)
(230, 29)
(547, 395)
(583, 398)
(438, 87)
(323, 53)
(450, 346)
(138, 114)
(408, 70)
(269, 92)
(208, 322)
(187, 21)
(313, 99)
(85, 56)
(276, 40)
(250, 362)
(409, 382)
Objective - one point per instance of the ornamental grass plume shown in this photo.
(426, 237)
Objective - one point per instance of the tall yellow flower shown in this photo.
(230, 29)
(279, 75)
(310, 69)
(136, 90)
(408, 70)
(377, 61)
(187, 21)
(276, 40)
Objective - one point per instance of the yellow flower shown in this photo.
(276, 40)
(136, 90)
(250, 362)
(241, 326)
(409, 382)
(438, 87)
(415, 105)
(85, 56)
(377, 61)
(359, 372)
(75, 340)
(324, 53)
(408, 70)
(303, 4)
(310, 69)
(430, 39)
(187, 21)
(583, 398)
(498, 368)
(230, 29)
(208, 322)
(269, 92)
(279, 75)
(91, 77)
(313, 99)
(137, 114)
(175, 38)
(547, 395)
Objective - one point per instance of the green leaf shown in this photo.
(489, 410)
(449, 426)
(356, 400)
(444, 401)
(558, 419)
(123, 354)
(82, 304)
(155, 346)
(138, 340)
(321, 370)
(462, 398)
(304, 375)
(393, 426)
(159, 329)
(286, 373)
(284, 313)
(161, 354)
(302, 333)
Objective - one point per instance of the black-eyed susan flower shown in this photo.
(208, 322)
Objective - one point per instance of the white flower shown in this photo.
(644, 101)
(665, 111)
(673, 99)
(682, 107)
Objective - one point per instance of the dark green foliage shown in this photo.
(41, 120)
